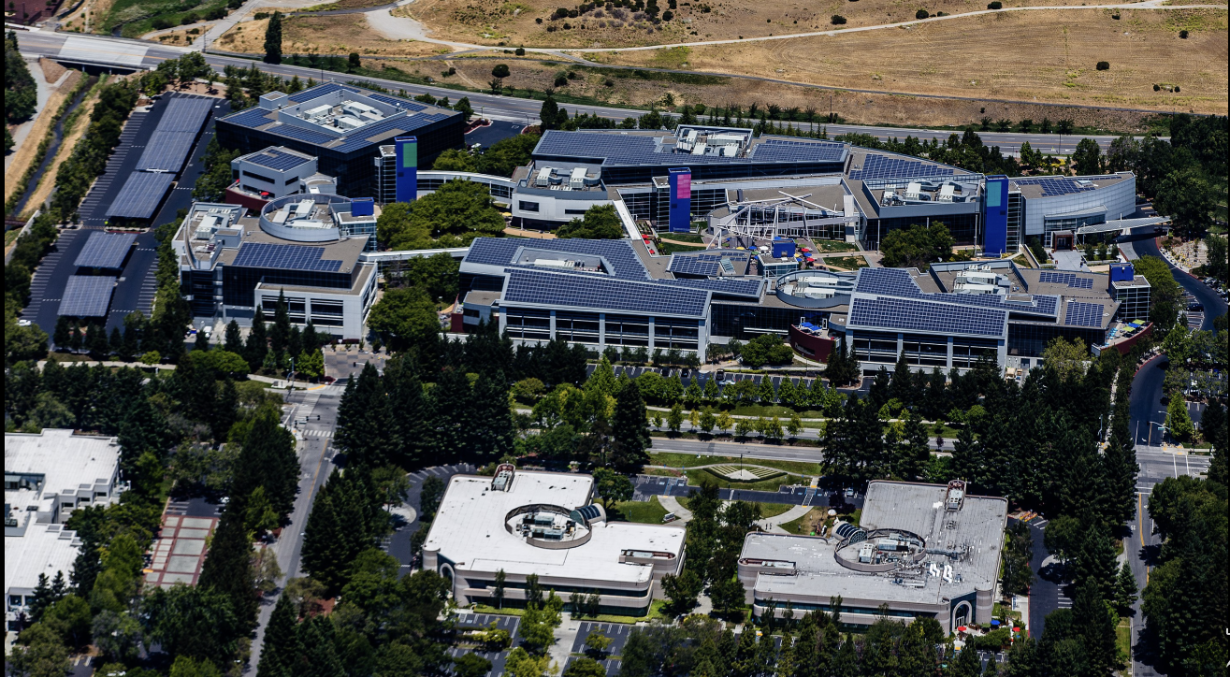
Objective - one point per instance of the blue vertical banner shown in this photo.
(407, 168)
(995, 216)
(680, 179)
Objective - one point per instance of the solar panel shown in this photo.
(913, 315)
(251, 118)
(166, 151)
(86, 296)
(105, 250)
(750, 288)
(1069, 279)
(1055, 185)
(284, 257)
(621, 149)
(140, 196)
(878, 166)
(782, 150)
(501, 252)
(293, 132)
(277, 160)
(579, 291)
(319, 90)
(185, 114)
(399, 102)
(693, 265)
(897, 282)
(1084, 314)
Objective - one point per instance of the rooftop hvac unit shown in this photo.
(725, 139)
(947, 573)
(304, 207)
(912, 189)
(577, 180)
(319, 111)
(813, 293)
(730, 151)
(821, 282)
(699, 149)
(946, 192)
(553, 263)
(347, 122)
(544, 177)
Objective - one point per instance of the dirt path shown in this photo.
(70, 140)
(27, 154)
(391, 25)
(515, 232)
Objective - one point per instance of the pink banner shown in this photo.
(684, 186)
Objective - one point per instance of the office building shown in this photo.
(47, 476)
(918, 551)
(308, 248)
(546, 524)
(343, 127)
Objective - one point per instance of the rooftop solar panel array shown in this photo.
(1084, 314)
(277, 160)
(1052, 186)
(86, 296)
(252, 118)
(877, 166)
(501, 252)
(893, 313)
(618, 149)
(140, 196)
(284, 257)
(302, 134)
(781, 150)
(166, 151)
(105, 250)
(749, 288)
(692, 265)
(400, 103)
(897, 282)
(580, 291)
(185, 114)
(319, 90)
(1070, 279)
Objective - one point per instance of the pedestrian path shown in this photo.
(774, 524)
(672, 506)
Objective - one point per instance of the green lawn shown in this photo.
(696, 477)
(644, 512)
(1123, 640)
(685, 237)
(672, 248)
(847, 262)
(766, 509)
(828, 246)
(799, 526)
(678, 460)
(138, 16)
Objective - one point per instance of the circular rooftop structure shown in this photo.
(553, 527)
(814, 288)
(878, 551)
(303, 217)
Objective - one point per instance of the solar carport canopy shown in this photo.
(105, 250)
(141, 195)
(171, 141)
(87, 296)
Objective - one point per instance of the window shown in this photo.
(573, 212)
(291, 180)
(527, 206)
(258, 177)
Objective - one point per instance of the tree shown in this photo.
(681, 591)
(39, 653)
(498, 73)
(281, 647)
(548, 114)
(917, 246)
(630, 430)
(1087, 158)
(497, 590)
(600, 222)
(1186, 197)
(1178, 420)
(404, 317)
(273, 39)
(355, 62)
(471, 665)
(596, 644)
(454, 160)
(612, 486)
(1126, 590)
(228, 567)
(505, 155)
(1068, 359)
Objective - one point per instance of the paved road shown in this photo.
(524, 111)
(315, 462)
(790, 493)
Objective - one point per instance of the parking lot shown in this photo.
(468, 621)
(790, 493)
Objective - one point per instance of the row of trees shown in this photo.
(452, 216)
(917, 246)
(500, 159)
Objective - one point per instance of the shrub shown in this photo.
(1103, 65)
(1176, 89)
(1183, 35)
(996, 5)
(921, 14)
(1157, 88)
(538, 20)
(838, 20)
(520, 51)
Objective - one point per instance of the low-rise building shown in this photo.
(308, 248)
(47, 476)
(918, 551)
(545, 524)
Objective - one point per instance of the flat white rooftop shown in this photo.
(66, 460)
(470, 531)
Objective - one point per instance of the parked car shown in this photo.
(1195, 307)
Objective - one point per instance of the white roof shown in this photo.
(469, 530)
(44, 549)
(67, 461)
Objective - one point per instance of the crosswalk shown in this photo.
(318, 433)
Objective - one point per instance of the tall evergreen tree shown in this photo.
(407, 399)
(281, 649)
(323, 556)
(630, 426)
(273, 39)
(228, 566)
(267, 459)
(279, 334)
(232, 339)
(258, 341)
(1095, 623)
(1119, 467)
(913, 454)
